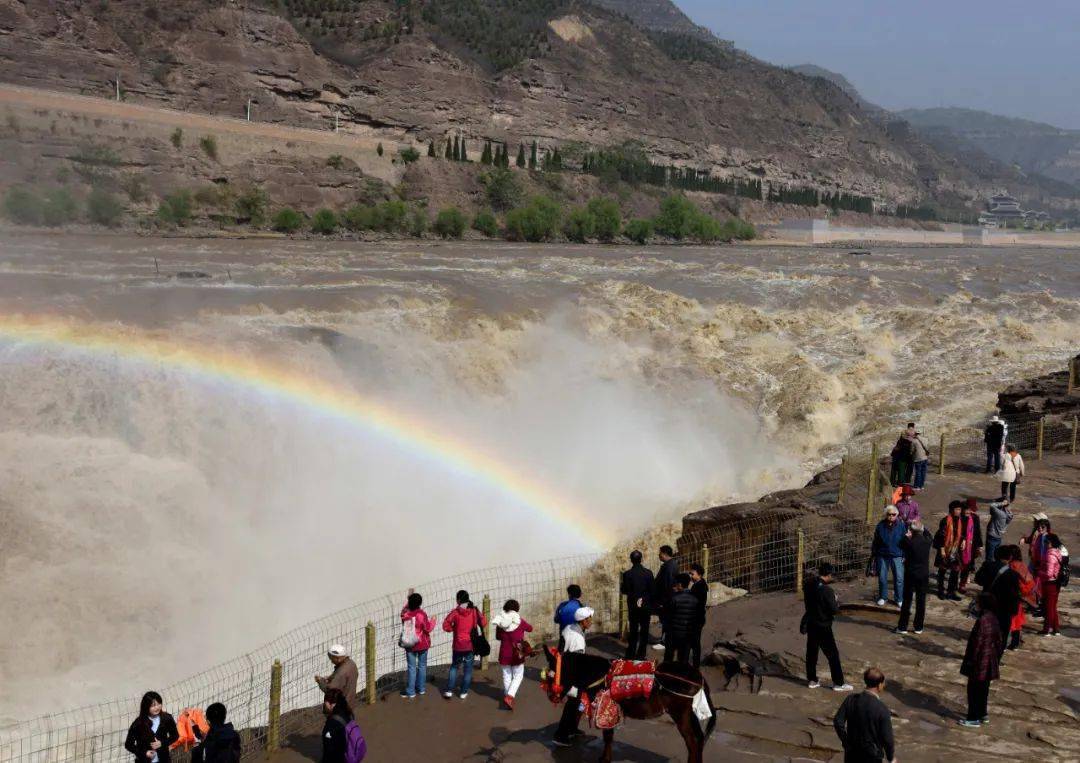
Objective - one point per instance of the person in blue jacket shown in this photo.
(564, 613)
(888, 555)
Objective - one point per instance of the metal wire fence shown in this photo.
(764, 552)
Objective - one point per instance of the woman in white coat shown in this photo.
(1012, 469)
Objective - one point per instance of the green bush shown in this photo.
(175, 209)
(607, 218)
(639, 231)
(252, 205)
(324, 222)
(450, 223)
(288, 220)
(676, 215)
(418, 222)
(392, 216)
(379, 149)
(23, 206)
(60, 207)
(408, 155)
(360, 217)
(337, 160)
(177, 138)
(536, 221)
(705, 229)
(208, 143)
(502, 187)
(580, 225)
(486, 223)
(739, 230)
(103, 208)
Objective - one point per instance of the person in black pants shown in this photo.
(700, 589)
(916, 545)
(680, 621)
(637, 587)
(663, 588)
(152, 733)
(821, 607)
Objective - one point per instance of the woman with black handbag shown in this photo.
(466, 622)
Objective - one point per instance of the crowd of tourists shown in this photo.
(964, 551)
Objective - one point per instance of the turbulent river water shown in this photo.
(156, 518)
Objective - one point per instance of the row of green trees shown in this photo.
(55, 207)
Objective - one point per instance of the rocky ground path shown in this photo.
(1034, 708)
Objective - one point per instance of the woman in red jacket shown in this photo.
(461, 621)
(1027, 595)
(416, 628)
(510, 630)
(1047, 575)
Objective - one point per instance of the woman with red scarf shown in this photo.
(971, 540)
(1027, 595)
(948, 542)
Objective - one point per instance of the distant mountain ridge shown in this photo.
(1033, 146)
(842, 82)
(657, 16)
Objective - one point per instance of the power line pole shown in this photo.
(249, 109)
(118, 86)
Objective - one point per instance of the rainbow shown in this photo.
(360, 411)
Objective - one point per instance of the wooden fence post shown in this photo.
(1073, 450)
(486, 609)
(273, 726)
(1039, 439)
(871, 485)
(941, 455)
(843, 480)
(705, 558)
(800, 562)
(369, 662)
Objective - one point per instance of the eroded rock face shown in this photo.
(1044, 394)
(600, 81)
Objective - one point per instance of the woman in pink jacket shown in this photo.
(1048, 572)
(510, 630)
(415, 624)
(461, 621)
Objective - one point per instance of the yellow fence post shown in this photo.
(705, 559)
(871, 485)
(941, 455)
(1039, 439)
(273, 726)
(1072, 376)
(800, 561)
(840, 491)
(1074, 435)
(369, 662)
(486, 609)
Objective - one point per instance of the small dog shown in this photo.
(736, 666)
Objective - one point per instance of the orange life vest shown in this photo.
(192, 718)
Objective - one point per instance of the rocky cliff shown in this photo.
(561, 72)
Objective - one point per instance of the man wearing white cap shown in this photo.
(574, 634)
(344, 677)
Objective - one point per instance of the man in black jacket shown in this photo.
(664, 587)
(221, 743)
(916, 545)
(864, 725)
(700, 589)
(997, 577)
(681, 620)
(821, 607)
(994, 437)
(637, 586)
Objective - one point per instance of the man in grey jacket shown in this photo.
(1000, 516)
(344, 677)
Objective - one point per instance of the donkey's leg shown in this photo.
(609, 738)
(682, 713)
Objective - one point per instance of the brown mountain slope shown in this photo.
(384, 68)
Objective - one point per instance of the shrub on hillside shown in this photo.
(676, 215)
(176, 208)
(59, 207)
(288, 220)
(22, 206)
(739, 230)
(607, 218)
(208, 143)
(360, 217)
(502, 187)
(486, 223)
(418, 221)
(336, 161)
(392, 216)
(251, 206)
(580, 225)
(704, 228)
(324, 222)
(639, 231)
(103, 208)
(177, 138)
(450, 223)
(408, 155)
(536, 221)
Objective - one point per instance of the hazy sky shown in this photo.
(1016, 58)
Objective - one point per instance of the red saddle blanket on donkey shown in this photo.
(631, 679)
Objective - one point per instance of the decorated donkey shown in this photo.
(679, 690)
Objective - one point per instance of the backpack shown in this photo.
(480, 645)
(1063, 573)
(409, 635)
(355, 746)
